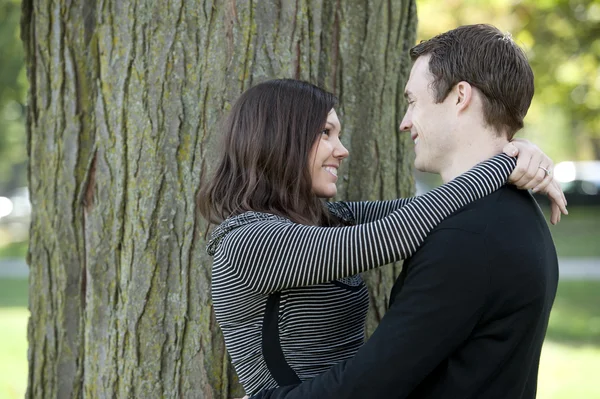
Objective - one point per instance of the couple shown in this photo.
(468, 313)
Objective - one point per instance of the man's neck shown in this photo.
(469, 155)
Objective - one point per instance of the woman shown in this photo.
(286, 286)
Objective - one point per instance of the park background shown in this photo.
(562, 40)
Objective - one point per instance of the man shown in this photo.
(469, 312)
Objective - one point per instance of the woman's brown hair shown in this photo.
(263, 166)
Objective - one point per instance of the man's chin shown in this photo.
(419, 166)
(422, 167)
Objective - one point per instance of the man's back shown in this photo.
(503, 244)
(467, 317)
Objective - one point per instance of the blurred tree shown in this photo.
(124, 101)
(562, 39)
(13, 88)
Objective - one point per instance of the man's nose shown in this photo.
(406, 124)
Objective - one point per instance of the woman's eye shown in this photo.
(325, 132)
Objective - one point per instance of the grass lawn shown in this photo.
(571, 354)
(13, 338)
(569, 372)
(575, 318)
(568, 369)
(13, 352)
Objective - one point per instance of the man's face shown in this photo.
(429, 123)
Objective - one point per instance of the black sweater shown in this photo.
(286, 296)
(467, 317)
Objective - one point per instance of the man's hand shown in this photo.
(534, 171)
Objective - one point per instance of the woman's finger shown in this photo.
(546, 180)
(532, 170)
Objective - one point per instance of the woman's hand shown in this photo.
(534, 171)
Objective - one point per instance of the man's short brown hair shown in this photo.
(488, 60)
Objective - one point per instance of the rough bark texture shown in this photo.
(124, 102)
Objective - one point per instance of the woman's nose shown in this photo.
(340, 151)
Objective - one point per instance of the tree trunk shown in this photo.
(124, 102)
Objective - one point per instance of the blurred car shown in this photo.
(15, 214)
(580, 181)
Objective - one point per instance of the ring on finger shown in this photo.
(547, 170)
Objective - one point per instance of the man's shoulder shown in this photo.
(486, 213)
(504, 231)
(451, 254)
(471, 234)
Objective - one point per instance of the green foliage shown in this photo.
(561, 40)
(560, 37)
(13, 91)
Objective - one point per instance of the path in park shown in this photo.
(570, 268)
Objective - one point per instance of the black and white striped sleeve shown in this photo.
(275, 255)
(370, 211)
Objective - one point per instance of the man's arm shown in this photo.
(434, 313)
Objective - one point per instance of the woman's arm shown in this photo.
(370, 211)
(527, 175)
(274, 255)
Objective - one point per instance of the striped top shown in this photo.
(322, 300)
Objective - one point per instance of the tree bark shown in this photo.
(124, 103)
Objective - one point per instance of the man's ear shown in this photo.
(464, 95)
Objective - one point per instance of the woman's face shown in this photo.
(326, 157)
